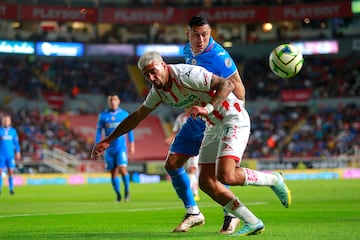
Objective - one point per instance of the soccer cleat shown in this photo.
(118, 198)
(127, 197)
(282, 191)
(189, 221)
(250, 229)
(12, 192)
(230, 225)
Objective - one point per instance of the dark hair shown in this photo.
(112, 94)
(198, 20)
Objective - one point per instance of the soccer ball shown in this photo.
(286, 60)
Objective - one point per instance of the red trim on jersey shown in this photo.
(218, 115)
(226, 105)
(237, 106)
(237, 159)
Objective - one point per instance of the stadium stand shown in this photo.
(318, 129)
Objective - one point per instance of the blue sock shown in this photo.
(116, 185)
(181, 184)
(0, 182)
(11, 183)
(126, 180)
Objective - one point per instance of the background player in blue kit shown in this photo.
(9, 151)
(202, 50)
(115, 157)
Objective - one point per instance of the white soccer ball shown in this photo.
(286, 60)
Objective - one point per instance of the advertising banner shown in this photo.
(8, 11)
(58, 13)
(63, 49)
(17, 47)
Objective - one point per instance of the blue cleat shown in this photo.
(250, 229)
(282, 191)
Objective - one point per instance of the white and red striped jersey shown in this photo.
(190, 85)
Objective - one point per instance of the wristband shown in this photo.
(209, 107)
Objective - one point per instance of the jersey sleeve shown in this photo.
(152, 100)
(224, 63)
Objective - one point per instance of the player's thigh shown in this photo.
(10, 163)
(187, 141)
(109, 160)
(2, 162)
(121, 158)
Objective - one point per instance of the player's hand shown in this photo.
(99, 148)
(198, 111)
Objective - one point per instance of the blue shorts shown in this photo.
(114, 158)
(188, 139)
(7, 162)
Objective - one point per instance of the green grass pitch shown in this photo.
(321, 209)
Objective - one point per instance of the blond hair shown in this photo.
(149, 57)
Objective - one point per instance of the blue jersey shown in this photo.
(9, 145)
(214, 58)
(218, 61)
(108, 121)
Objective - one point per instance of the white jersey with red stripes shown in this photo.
(190, 85)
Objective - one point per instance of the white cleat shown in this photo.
(189, 221)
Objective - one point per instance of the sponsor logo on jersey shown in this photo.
(189, 100)
(112, 125)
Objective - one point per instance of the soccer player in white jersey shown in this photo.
(192, 163)
(227, 129)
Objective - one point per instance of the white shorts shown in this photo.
(193, 162)
(228, 139)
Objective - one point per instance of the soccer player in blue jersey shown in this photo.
(115, 157)
(9, 151)
(202, 50)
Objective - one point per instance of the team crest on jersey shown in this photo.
(228, 62)
(193, 61)
(112, 118)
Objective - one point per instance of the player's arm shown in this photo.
(222, 88)
(17, 146)
(99, 128)
(128, 124)
(239, 89)
(131, 138)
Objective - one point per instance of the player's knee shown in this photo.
(174, 162)
(226, 179)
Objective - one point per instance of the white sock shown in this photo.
(257, 178)
(193, 183)
(193, 210)
(241, 211)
